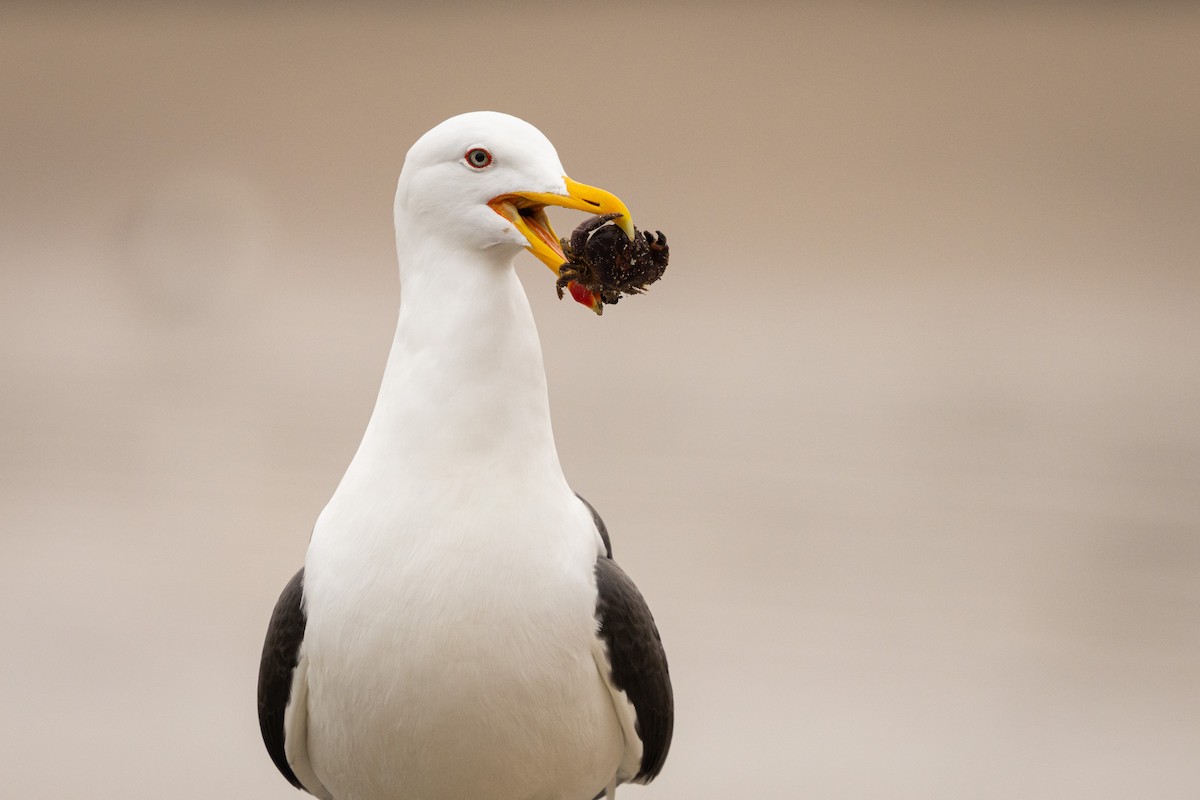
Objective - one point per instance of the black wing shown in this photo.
(281, 653)
(639, 665)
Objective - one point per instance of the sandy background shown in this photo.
(904, 450)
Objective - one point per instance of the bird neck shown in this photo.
(464, 391)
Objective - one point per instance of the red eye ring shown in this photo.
(478, 158)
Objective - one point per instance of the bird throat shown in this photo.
(465, 381)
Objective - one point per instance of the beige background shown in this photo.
(904, 450)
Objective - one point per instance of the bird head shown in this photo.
(484, 180)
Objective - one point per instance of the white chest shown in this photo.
(450, 651)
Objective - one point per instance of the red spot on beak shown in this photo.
(582, 294)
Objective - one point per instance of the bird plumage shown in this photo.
(450, 644)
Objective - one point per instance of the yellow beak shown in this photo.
(527, 212)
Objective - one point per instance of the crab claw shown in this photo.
(657, 243)
(586, 296)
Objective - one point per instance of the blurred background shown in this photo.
(904, 450)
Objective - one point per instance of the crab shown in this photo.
(605, 261)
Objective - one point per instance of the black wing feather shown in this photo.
(639, 665)
(281, 653)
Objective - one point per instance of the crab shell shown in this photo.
(606, 262)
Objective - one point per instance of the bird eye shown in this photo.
(478, 158)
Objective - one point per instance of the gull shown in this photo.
(459, 629)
